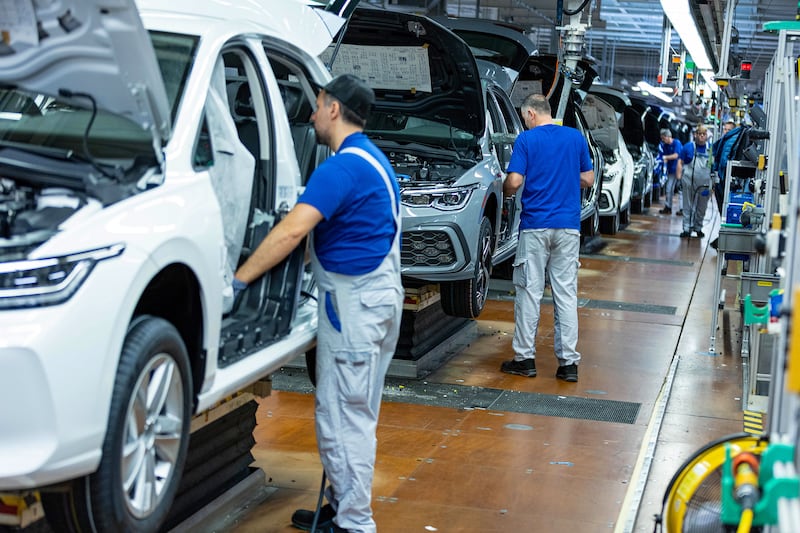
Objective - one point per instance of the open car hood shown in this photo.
(632, 125)
(415, 66)
(86, 47)
(492, 41)
(602, 120)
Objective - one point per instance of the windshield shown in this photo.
(401, 127)
(30, 118)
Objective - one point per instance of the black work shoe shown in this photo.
(304, 519)
(665, 211)
(526, 367)
(679, 213)
(714, 243)
(685, 235)
(700, 234)
(568, 373)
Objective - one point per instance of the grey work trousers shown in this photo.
(554, 251)
(669, 191)
(695, 203)
(359, 324)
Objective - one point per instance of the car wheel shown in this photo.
(637, 204)
(590, 227)
(625, 216)
(466, 298)
(610, 225)
(146, 440)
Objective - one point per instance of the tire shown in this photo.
(590, 227)
(466, 298)
(625, 216)
(610, 225)
(637, 205)
(145, 444)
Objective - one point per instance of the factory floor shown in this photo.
(469, 448)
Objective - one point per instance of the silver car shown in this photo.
(449, 135)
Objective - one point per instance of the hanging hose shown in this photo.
(319, 504)
(577, 10)
(745, 521)
(745, 487)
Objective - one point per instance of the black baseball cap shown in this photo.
(353, 93)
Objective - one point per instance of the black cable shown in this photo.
(70, 94)
(319, 504)
(308, 295)
(578, 9)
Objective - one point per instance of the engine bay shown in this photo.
(30, 216)
(413, 170)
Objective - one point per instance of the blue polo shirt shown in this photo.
(669, 149)
(687, 153)
(358, 229)
(551, 158)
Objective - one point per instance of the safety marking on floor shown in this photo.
(753, 422)
(469, 397)
(503, 290)
(630, 259)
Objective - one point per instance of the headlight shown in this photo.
(446, 199)
(50, 281)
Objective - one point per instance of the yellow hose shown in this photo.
(745, 522)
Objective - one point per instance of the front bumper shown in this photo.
(439, 246)
(59, 364)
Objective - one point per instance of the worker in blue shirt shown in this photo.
(695, 182)
(352, 205)
(551, 163)
(670, 153)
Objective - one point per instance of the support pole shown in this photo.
(726, 41)
(572, 41)
(666, 39)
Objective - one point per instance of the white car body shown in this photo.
(618, 169)
(61, 339)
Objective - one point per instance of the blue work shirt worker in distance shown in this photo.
(552, 164)
(670, 153)
(696, 182)
(352, 204)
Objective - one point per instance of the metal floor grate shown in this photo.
(568, 407)
(626, 306)
(464, 397)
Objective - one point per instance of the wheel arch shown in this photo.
(174, 295)
(492, 212)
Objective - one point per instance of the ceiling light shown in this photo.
(679, 15)
(654, 91)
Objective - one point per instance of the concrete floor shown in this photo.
(645, 320)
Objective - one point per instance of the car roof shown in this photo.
(280, 18)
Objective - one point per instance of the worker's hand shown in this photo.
(238, 286)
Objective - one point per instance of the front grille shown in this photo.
(427, 249)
